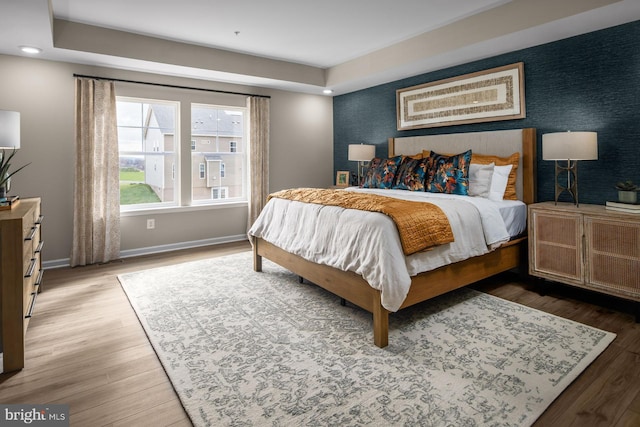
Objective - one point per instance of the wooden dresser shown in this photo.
(587, 246)
(20, 276)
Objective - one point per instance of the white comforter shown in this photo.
(368, 242)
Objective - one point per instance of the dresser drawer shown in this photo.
(31, 237)
(29, 286)
(29, 298)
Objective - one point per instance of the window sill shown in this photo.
(182, 209)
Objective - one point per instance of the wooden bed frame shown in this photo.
(430, 284)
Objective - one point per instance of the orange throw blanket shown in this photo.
(421, 225)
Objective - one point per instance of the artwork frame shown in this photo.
(484, 96)
(342, 179)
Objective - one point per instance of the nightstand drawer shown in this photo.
(613, 255)
(556, 246)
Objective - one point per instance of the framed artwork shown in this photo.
(342, 179)
(484, 96)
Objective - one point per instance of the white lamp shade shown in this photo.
(570, 146)
(361, 152)
(9, 129)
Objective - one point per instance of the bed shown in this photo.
(353, 287)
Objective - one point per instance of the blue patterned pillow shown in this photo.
(411, 174)
(449, 174)
(381, 172)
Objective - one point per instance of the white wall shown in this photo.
(43, 92)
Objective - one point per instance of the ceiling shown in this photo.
(300, 45)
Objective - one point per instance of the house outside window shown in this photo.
(219, 132)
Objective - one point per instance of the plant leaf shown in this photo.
(5, 164)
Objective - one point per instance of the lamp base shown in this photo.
(361, 167)
(572, 181)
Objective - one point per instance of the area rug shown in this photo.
(251, 349)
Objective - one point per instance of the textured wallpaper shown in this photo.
(585, 83)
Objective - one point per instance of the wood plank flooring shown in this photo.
(86, 348)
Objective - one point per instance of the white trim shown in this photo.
(65, 262)
(196, 206)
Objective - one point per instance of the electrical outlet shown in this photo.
(151, 224)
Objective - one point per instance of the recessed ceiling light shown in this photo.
(30, 49)
(327, 91)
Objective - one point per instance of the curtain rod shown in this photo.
(171, 86)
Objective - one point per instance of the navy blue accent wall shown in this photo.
(589, 82)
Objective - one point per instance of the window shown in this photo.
(148, 152)
(226, 167)
(219, 193)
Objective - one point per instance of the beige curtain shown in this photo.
(96, 200)
(258, 155)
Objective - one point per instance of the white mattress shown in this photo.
(368, 244)
(514, 214)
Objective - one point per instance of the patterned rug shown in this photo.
(253, 349)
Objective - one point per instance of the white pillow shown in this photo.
(499, 182)
(480, 179)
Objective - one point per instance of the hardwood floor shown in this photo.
(86, 348)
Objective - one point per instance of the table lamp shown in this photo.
(569, 146)
(361, 153)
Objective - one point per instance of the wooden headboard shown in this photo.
(502, 143)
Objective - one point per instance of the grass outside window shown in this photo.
(136, 193)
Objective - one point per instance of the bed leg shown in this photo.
(257, 261)
(380, 325)
(343, 302)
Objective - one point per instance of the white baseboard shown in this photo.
(65, 262)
